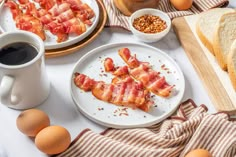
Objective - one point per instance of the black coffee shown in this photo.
(17, 53)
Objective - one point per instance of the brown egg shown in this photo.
(182, 4)
(53, 140)
(199, 153)
(31, 121)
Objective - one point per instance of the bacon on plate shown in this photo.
(24, 21)
(143, 72)
(125, 92)
(117, 71)
(60, 17)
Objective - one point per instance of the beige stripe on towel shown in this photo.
(117, 19)
(190, 128)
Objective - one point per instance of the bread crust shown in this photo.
(204, 40)
(232, 74)
(218, 51)
(230, 65)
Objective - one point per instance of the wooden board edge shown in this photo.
(211, 82)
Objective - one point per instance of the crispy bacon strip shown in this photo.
(26, 21)
(124, 92)
(60, 17)
(143, 72)
(31, 9)
(84, 13)
(121, 73)
(65, 16)
(46, 4)
(74, 26)
(59, 30)
(117, 71)
(31, 24)
(14, 7)
(73, 3)
(23, 1)
(56, 9)
(46, 19)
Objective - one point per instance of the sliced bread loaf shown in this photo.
(231, 64)
(223, 38)
(206, 25)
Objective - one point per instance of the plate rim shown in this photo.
(74, 40)
(123, 126)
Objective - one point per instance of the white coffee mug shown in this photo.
(24, 85)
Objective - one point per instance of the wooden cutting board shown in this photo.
(215, 80)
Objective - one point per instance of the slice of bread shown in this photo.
(206, 24)
(223, 38)
(231, 64)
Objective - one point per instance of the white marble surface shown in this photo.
(62, 110)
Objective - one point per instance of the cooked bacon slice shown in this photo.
(46, 19)
(143, 72)
(151, 80)
(14, 7)
(41, 12)
(31, 24)
(73, 3)
(74, 26)
(117, 71)
(26, 21)
(31, 9)
(125, 92)
(59, 30)
(122, 75)
(109, 65)
(46, 4)
(65, 16)
(84, 9)
(121, 70)
(132, 61)
(85, 14)
(56, 9)
(58, 16)
(23, 1)
(84, 82)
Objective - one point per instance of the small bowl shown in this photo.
(149, 37)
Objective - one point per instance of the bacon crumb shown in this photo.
(121, 112)
(100, 108)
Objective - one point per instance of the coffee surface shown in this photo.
(17, 53)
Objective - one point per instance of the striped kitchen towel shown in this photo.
(190, 128)
(116, 18)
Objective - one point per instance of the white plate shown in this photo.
(8, 24)
(107, 114)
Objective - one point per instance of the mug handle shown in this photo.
(6, 90)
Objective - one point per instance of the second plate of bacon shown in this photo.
(127, 85)
(59, 23)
